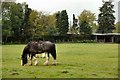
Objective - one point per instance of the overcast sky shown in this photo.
(72, 6)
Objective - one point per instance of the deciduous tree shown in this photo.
(86, 21)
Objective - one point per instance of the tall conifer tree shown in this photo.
(106, 18)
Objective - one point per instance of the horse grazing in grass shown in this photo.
(33, 48)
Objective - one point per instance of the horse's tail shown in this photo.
(24, 56)
(54, 52)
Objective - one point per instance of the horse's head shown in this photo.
(24, 56)
(23, 59)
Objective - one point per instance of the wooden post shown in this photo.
(112, 39)
(104, 40)
(96, 38)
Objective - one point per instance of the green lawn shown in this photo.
(74, 61)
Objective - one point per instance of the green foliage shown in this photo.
(41, 24)
(74, 61)
(21, 23)
(106, 18)
(6, 23)
(117, 27)
(26, 22)
(33, 23)
(12, 20)
(49, 25)
(74, 29)
(74, 21)
(62, 23)
(16, 18)
(85, 29)
(94, 28)
(51, 28)
(86, 22)
(87, 16)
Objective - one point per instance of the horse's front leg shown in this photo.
(47, 59)
(36, 61)
(31, 59)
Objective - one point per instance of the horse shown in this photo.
(38, 47)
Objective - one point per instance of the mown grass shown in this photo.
(74, 61)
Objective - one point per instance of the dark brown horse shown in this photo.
(33, 48)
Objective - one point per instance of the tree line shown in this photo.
(22, 24)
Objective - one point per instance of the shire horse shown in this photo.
(33, 48)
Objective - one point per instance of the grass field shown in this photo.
(74, 61)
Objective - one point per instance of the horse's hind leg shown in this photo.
(54, 57)
(47, 59)
(31, 59)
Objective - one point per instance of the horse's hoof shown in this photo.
(36, 64)
(30, 64)
(54, 64)
(46, 64)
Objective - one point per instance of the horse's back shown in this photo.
(48, 44)
(41, 46)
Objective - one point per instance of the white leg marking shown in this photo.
(36, 61)
(47, 59)
(34, 58)
(43, 55)
(46, 62)
(37, 55)
(30, 62)
(55, 62)
(28, 57)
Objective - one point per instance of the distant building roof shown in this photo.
(106, 34)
